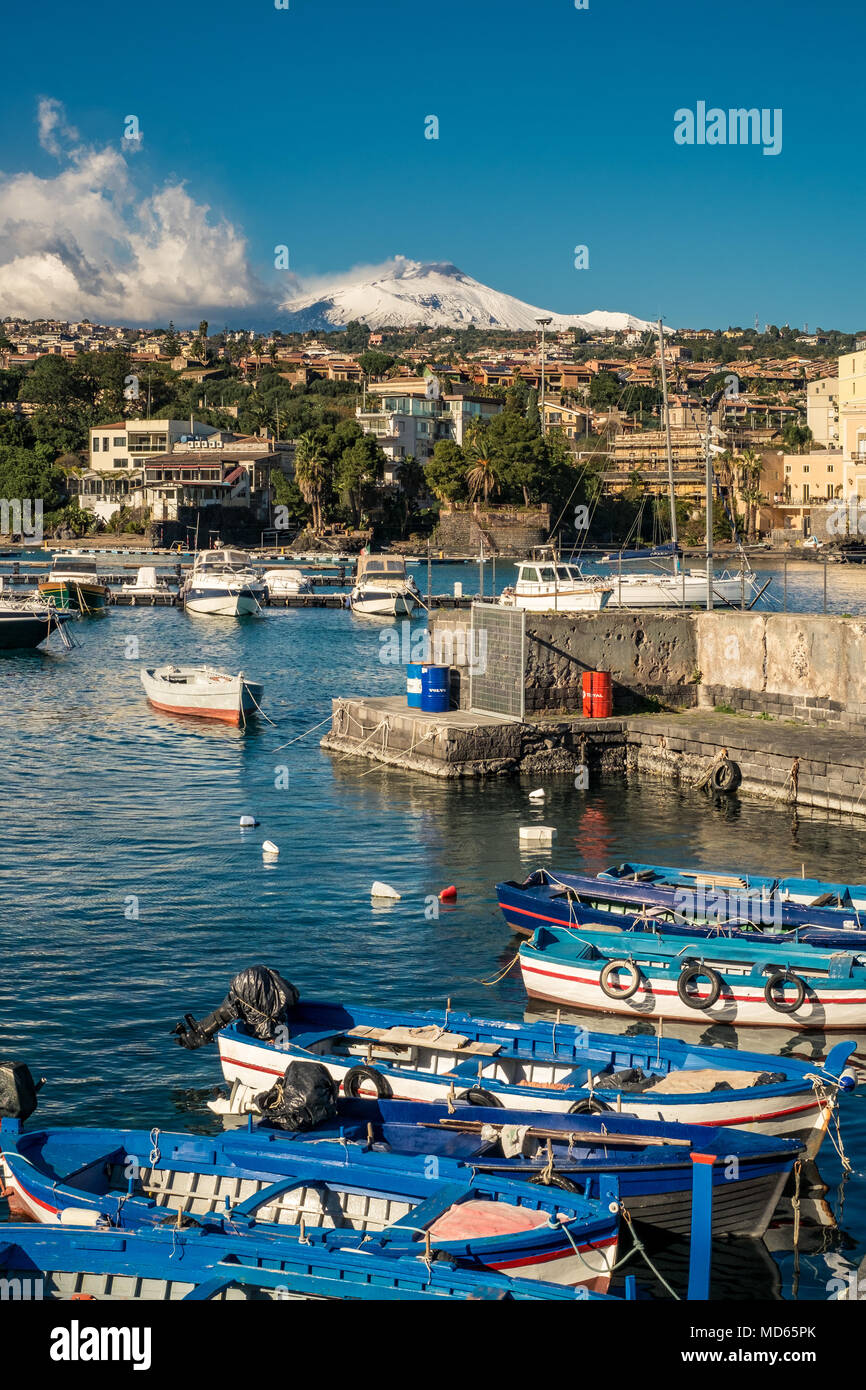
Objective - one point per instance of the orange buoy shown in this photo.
(448, 895)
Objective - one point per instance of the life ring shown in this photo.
(699, 972)
(591, 1106)
(783, 1006)
(610, 970)
(726, 776)
(355, 1076)
(476, 1095)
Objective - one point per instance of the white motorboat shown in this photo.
(223, 584)
(147, 587)
(382, 588)
(282, 583)
(202, 691)
(549, 586)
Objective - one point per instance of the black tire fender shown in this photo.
(783, 1006)
(355, 1076)
(476, 1095)
(727, 776)
(611, 969)
(699, 972)
(590, 1106)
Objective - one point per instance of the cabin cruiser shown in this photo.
(549, 586)
(284, 582)
(382, 587)
(223, 584)
(74, 584)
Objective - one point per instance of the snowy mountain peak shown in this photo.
(405, 294)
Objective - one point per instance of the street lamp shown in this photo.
(543, 323)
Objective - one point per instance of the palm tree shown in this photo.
(310, 476)
(751, 468)
(483, 476)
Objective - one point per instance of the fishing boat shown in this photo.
(802, 891)
(441, 1055)
(382, 588)
(26, 623)
(74, 584)
(546, 585)
(196, 1264)
(726, 981)
(399, 1202)
(202, 691)
(223, 584)
(284, 583)
(148, 586)
(578, 900)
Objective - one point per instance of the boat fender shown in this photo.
(848, 1079)
(591, 1106)
(355, 1078)
(607, 979)
(699, 972)
(17, 1091)
(726, 776)
(80, 1216)
(476, 1095)
(784, 1006)
(545, 1179)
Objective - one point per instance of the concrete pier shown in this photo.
(819, 768)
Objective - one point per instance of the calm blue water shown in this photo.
(110, 808)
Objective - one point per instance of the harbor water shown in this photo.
(130, 895)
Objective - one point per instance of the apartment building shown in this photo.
(852, 421)
(822, 411)
(407, 420)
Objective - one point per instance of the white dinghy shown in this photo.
(202, 691)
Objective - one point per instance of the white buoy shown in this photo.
(248, 822)
(270, 850)
(537, 795)
(384, 890)
(537, 834)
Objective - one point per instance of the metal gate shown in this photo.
(497, 665)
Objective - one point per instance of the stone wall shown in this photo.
(786, 665)
(511, 530)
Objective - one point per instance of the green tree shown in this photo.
(360, 465)
(311, 476)
(446, 472)
(483, 473)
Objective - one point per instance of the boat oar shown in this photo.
(537, 1132)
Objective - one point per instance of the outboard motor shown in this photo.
(303, 1098)
(260, 997)
(17, 1091)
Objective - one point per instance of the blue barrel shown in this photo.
(435, 689)
(413, 684)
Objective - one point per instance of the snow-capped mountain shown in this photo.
(407, 293)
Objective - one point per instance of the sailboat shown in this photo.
(680, 588)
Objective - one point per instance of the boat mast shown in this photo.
(668, 450)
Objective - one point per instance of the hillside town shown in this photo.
(392, 433)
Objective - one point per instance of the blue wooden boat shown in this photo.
(440, 1054)
(730, 981)
(804, 892)
(323, 1192)
(567, 899)
(651, 1161)
(198, 1264)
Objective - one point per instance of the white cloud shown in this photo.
(89, 243)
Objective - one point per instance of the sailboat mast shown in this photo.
(668, 449)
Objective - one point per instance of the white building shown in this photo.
(407, 420)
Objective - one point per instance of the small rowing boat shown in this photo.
(195, 1264)
(729, 981)
(440, 1054)
(802, 892)
(202, 691)
(401, 1203)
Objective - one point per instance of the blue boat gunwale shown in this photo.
(648, 1049)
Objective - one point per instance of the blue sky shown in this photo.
(305, 127)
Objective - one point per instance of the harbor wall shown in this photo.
(509, 530)
(806, 667)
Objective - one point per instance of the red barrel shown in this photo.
(586, 686)
(602, 694)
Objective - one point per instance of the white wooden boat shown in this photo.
(382, 588)
(223, 584)
(282, 583)
(202, 691)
